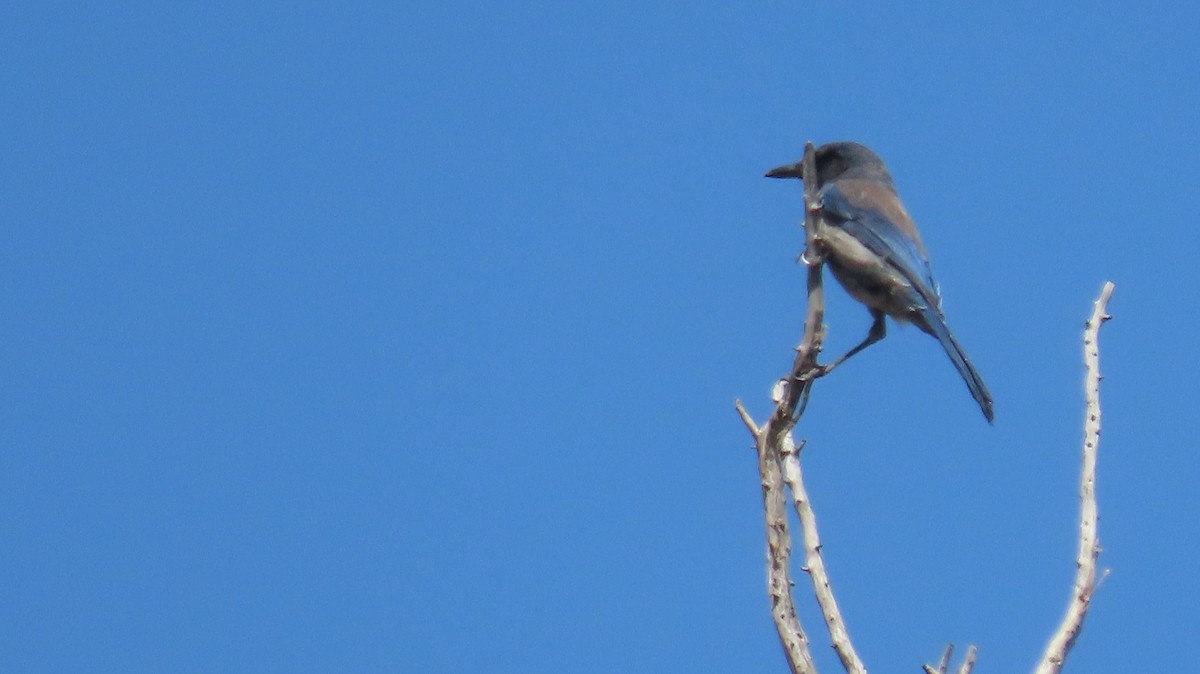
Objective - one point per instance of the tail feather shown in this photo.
(937, 327)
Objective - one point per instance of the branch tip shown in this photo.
(1085, 584)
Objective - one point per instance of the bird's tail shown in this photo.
(937, 327)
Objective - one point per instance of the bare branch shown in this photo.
(746, 418)
(968, 662)
(1089, 544)
(943, 666)
(779, 553)
(792, 391)
(815, 563)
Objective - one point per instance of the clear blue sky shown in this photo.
(405, 338)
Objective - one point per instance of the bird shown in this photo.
(874, 251)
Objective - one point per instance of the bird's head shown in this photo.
(837, 160)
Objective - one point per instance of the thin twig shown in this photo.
(779, 553)
(943, 665)
(969, 661)
(1089, 544)
(815, 563)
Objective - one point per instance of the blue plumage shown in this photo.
(874, 250)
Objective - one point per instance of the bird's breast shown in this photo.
(866, 276)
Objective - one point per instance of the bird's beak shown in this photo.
(788, 171)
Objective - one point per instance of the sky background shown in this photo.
(404, 337)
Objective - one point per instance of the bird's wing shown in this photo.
(861, 213)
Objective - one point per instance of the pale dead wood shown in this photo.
(1089, 544)
(815, 562)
